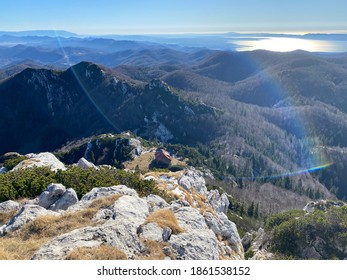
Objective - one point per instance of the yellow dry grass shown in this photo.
(143, 161)
(154, 250)
(104, 202)
(102, 252)
(202, 205)
(165, 218)
(51, 226)
(6, 216)
(14, 248)
(175, 161)
(23, 243)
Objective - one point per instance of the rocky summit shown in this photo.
(192, 225)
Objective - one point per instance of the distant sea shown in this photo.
(284, 44)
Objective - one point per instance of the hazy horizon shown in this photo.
(167, 17)
(323, 32)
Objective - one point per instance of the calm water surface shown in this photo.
(288, 44)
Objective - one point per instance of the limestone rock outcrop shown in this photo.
(192, 230)
(68, 199)
(193, 178)
(52, 193)
(26, 214)
(9, 206)
(219, 202)
(85, 164)
(41, 160)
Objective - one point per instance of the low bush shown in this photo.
(279, 218)
(31, 182)
(293, 231)
(13, 161)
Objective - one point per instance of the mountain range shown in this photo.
(253, 116)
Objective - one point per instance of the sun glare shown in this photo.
(279, 45)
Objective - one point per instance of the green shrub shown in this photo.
(293, 231)
(25, 183)
(29, 183)
(287, 237)
(279, 218)
(13, 161)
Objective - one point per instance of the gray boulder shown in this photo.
(137, 147)
(131, 208)
(151, 231)
(59, 247)
(96, 193)
(259, 242)
(121, 232)
(323, 205)
(262, 255)
(190, 218)
(52, 193)
(127, 208)
(193, 179)
(104, 214)
(41, 160)
(114, 233)
(259, 245)
(155, 202)
(85, 164)
(195, 245)
(9, 206)
(27, 214)
(220, 203)
(68, 199)
(221, 225)
(107, 191)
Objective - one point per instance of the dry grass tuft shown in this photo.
(202, 203)
(142, 162)
(102, 252)
(23, 243)
(15, 248)
(52, 226)
(104, 202)
(154, 250)
(6, 217)
(164, 218)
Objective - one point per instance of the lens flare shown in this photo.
(289, 174)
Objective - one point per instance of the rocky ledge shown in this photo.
(190, 226)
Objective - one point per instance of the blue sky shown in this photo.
(163, 16)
